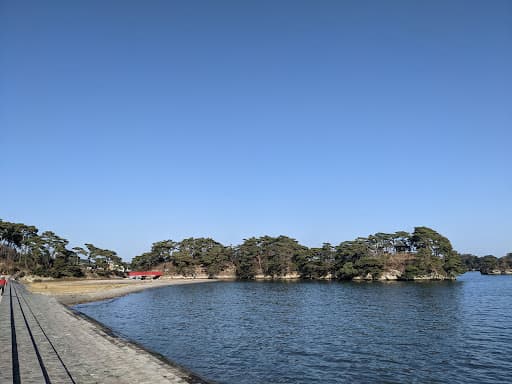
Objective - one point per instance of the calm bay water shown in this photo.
(308, 332)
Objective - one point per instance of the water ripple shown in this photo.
(439, 332)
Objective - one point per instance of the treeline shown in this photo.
(424, 253)
(184, 258)
(488, 264)
(24, 249)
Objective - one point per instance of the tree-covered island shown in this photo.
(423, 254)
(488, 265)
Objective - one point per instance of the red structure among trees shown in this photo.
(143, 275)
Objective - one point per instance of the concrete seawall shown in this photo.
(45, 342)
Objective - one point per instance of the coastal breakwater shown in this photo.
(45, 342)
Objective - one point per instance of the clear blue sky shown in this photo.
(128, 122)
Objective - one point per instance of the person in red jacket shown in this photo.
(3, 282)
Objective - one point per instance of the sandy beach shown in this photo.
(71, 292)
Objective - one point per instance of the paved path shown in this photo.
(42, 342)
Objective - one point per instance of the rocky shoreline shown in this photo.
(498, 272)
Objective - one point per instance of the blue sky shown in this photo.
(128, 122)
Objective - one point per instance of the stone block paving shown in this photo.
(44, 342)
(5, 341)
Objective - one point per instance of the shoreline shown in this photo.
(105, 335)
(92, 290)
(189, 376)
(73, 292)
(81, 291)
(132, 286)
(60, 344)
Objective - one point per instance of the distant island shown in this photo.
(423, 254)
(488, 265)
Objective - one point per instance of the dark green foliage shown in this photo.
(194, 252)
(505, 262)
(423, 253)
(347, 271)
(215, 257)
(347, 256)
(428, 239)
(431, 254)
(316, 263)
(270, 256)
(186, 256)
(423, 264)
(23, 249)
(453, 264)
(103, 258)
(247, 259)
(488, 264)
(411, 271)
(470, 262)
(372, 266)
(146, 261)
(60, 268)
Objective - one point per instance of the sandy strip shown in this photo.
(71, 292)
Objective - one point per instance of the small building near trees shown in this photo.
(145, 275)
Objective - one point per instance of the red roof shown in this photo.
(145, 273)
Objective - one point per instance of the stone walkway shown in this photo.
(42, 342)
